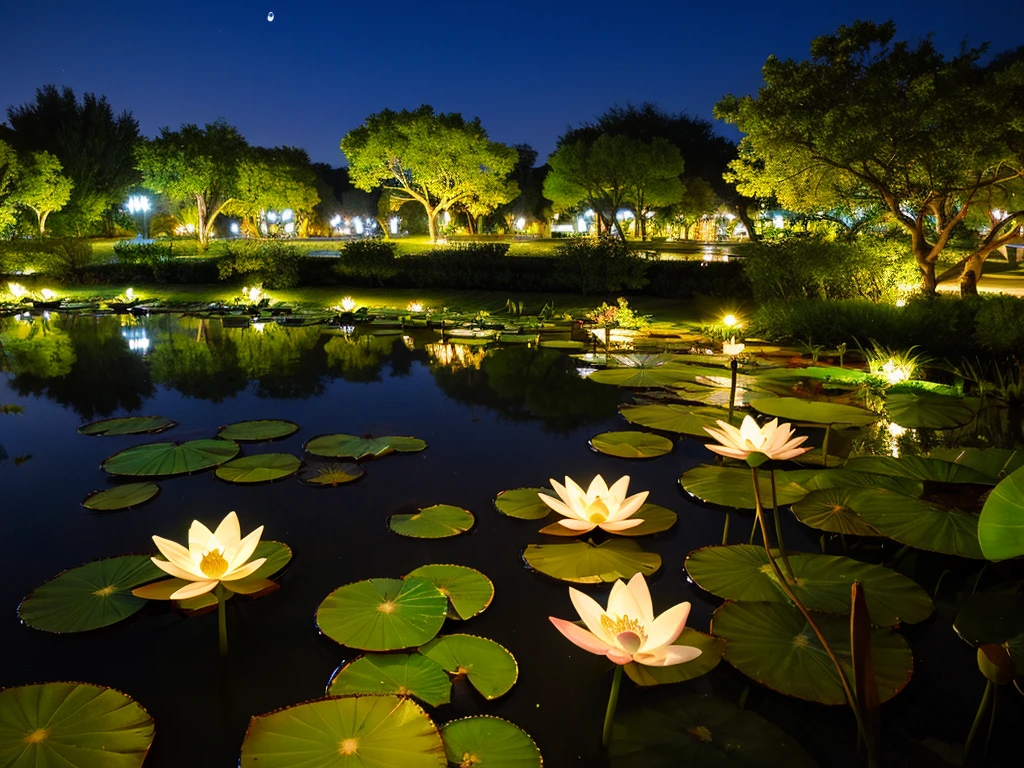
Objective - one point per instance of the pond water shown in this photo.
(493, 420)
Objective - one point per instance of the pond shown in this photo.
(493, 419)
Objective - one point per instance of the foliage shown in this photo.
(372, 261)
(10, 171)
(274, 264)
(619, 315)
(67, 257)
(43, 188)
(130, 252)
(601, 265)
(274, 180)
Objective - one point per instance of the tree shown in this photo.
(530, 203)
(196, 165)
(43, 188)
(95, 147)
(10, 172)
(274, 180)
(871, 120)
(439, 161)
(698, 200)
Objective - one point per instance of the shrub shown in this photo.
(602, 265)
(67, 258)
(368, 262)
(275, 265)
(128, 252)
(999, 325)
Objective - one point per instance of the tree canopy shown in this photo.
(436, 160)
(43, 188)
(10, 171)
(275, 179)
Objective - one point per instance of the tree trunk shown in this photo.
(201, 213)
(469, 223)
(927, 277)
(741, 209)
(432, 224)
(42, 221)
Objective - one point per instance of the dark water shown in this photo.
(522, 416)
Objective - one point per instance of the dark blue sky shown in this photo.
(527, 69)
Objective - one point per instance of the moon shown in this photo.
(270, 16)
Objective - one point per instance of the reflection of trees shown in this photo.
(360, 358)
(38, 347)
(196, 358)
(524, 383)
(285, 363)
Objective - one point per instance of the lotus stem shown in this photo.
(986, 698)
(725, 530)
(222, 620)
(991, 723)
(824, 446)
(778, 530)
(613, 700)
(733, 366)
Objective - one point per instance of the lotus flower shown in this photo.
(628, 630)
(211, 558)
(348, 304)
(773, 440)
(17, 290)
(597, 507)
(731, 348)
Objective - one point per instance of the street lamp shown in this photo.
(140, 204)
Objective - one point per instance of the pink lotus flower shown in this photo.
(773, 440)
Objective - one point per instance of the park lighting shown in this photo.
(358, 222)
(271, 217)
(393, 223)
(130, 294)
(287, 215)
(730, 321)
(335, 222)
(139, 205)
(234, 227)
(520, 223)
(289, 228)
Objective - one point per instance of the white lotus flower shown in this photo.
(17, 290)
(773, 440)
(731, 348)
(348, 304)
(628, 630)
(211, 558)
(597, 507)
(48, 294)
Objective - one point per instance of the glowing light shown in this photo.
(287, 214)
(258, 327)
(271, 217)
(894, 374)
(896, 430)
(47, 294)
(348, 304)
(234, 227)
(901, 302)
(335, 222)
(520, 223)
(130, 294)
(730, 321)
(254, 295)
(17, 290)
(138, 204)
(358, 225)
(270, 16)
(415, 307)
(393, 223)
(778, 222)
(289, 227)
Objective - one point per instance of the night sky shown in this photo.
(527, 69)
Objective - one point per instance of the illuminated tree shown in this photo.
(274, 180)
(43, 188)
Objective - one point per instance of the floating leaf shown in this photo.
(259, 468)
(734, 486)
(437, 522)
(72, 725)
(925, 410)
(130, 425)
(669, 417)
(120, 497)
(773, 644)
(846, 478)
(822, 582)
(489, 742)
(383, 614)
(815, 412)
(90, 596)
(167, 459)
(994, 462)
(631, 445)
(718, 397)
(919, 468)
(523, 503)
(350, 731)
(829, 510)
(655, 520)
(258, 430)
(1001, 526)
(469, 591)
(352, 447)
(330, 475)
(629, 376)
(402, 674)
(583, 562)
(491, 669)
(710, 656)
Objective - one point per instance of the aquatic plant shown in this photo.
(598, 507)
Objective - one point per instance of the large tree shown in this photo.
(43, 188)
(95, 147)
(869, 120)
(195, 166)
(439, 161)
(274, 180)
(10, 173)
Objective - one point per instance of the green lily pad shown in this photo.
(383, 614)
(824, 373)
(259, 468)
(823, 582)
(711, 655)
(258, 431)
(120, 497)
(168, 459)
(994, 617)
(490, 668)
(468, 590)
(773, 644)
(919, 468)
(402, 674)
(583, 562)
(655, 520)
(995, 462)
(829, 510)
(489, 742)
(631, 445)
(638, 377)
(563, 344)
(90, 596)
(925, 410)
(703, 732)
(734, 486)
(799, 410)
(130, 425)
(523, 503)
(718, 397)
(682, 419)
(351, 447)
(437, 522)
(846, 478)
(1001, 526)
(350, 731)
(65, 725)
(330, 475)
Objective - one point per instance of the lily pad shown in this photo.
(925, 410)
(340, 446)
(822, 582)
(490, 668)
(711, 655)
(437, 522)
(919, 468)
(734, 486)
(638, 377)
(168, 459)
(383, 614)
(129, 425)
(523, 503)
(121, 497)
(995, 462)
(799, 410)
(259, 468)
(402, 674)
(994, 617)
(351, 731)
(489, 742)
(330, 475)
(703, 732)
(1001, 526)
(718, 397)
(682, 419)
(468, 590)
(846, 478)
(631, 445)
(583, 562)
(90, 596)
(829, 510)
(655, 520)
(258, 431)
(773, 644)
(51, 725)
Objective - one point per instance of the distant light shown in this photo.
(17, 290)
(589, 213)
(234, 227)
(901, 302)
(729, 320)
(581, 224)
(359, 225)
(447, 218)
(729, 217)
(289, 227)
(896, 430)
(270, 16)
(130, 294)
(287, 215)
(271, 217)
(393, 222)
(258, 327)
(138, 204)
(778, 222)
(335, 222)
(520, 223)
